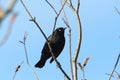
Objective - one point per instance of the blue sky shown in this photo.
(101, 39)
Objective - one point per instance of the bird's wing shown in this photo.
(45, 49)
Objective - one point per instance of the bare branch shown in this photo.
(8, 31)
(65, 17)
(76, 12)
(85, 62)
(109, 74)
(57, 14)
(70, 56)
(16, 70)
(4, 13)
(83, 72)
(10, 6)
(51, 7)
(83, 66)
(114, 67)
(117, 77)
(70, 1)
(78, 6)
(27, 10)
(117, 10)
(27, 61)
(69, 37)
(33, 19)
(70, 5)
(82, 69)
(78, 44)
(80, 65)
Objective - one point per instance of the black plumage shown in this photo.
(57, 42)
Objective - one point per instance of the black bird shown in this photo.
(57, 42)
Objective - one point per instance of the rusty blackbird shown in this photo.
(57, 42)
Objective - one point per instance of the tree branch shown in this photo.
(9, 8)
(114, 67)
(117, 10)
(70, 54)
(57, 14)
(34, 20)
(76, 12)
(69, 37)
(51, 7)
(78, 45)
(83, 66)
(16, 70)
(27, 61)
(3, 15)
(8, 31)
(78, 6)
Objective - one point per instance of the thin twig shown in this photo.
(82, 67)
(16, 70)
(51, 7)
(109, 74)
(56, 18)
(9, 29)
(69, 35)
(78, 45)
(114, 67)
(71, 5)
(78, 6)
(85, 61)
(70, 54)
(9, 8)
(34, 20)
(57, 14)
(65, 17)
(76, 12)
(117, 10)
(83, 72)
(58, 64)
(79, 41)
(70, 1)
(117, 77)
(27, 61)
(26, 10)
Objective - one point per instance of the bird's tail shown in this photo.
(40, 63)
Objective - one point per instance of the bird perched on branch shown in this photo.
(57, 42)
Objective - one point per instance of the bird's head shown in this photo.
(60, 30)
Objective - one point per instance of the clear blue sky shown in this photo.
(101, 40)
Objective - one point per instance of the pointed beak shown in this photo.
(65, 28)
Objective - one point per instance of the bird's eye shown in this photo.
(59, 30)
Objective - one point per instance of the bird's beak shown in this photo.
(65, 28)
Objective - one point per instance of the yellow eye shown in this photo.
(59, 30)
